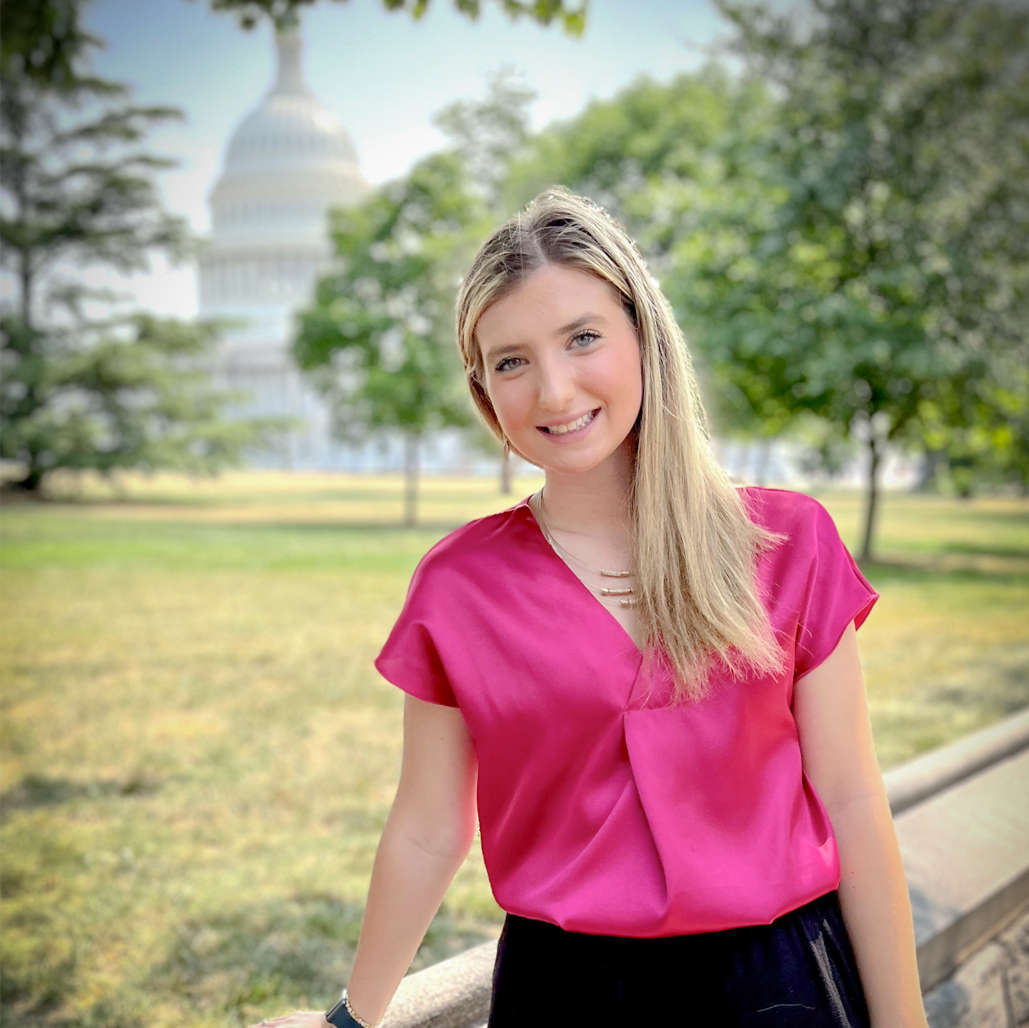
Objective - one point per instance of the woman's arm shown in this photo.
(427, 835)
(839, 758)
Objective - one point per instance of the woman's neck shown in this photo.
(594, 503)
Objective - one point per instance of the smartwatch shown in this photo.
(341, 1017)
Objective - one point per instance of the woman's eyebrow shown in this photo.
(579, 322)
(500, 351)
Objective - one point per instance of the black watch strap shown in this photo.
(340, 1016)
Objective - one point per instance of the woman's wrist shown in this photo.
(343, 1015)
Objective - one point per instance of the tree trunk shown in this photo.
(20, 214)
(25, 300)
(505, 472)
(411, 446)
(927, 472)
(31, 483)
(875, 455)
(764, 461)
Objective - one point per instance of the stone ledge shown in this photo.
(927, 775)
(990, 990)
(454, 993)
(966, 857)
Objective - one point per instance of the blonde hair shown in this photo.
(694, 547)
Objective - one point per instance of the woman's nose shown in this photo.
(556, 385)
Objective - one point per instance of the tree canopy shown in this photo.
(571, 16)
(887, 282)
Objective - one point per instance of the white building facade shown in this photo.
(288, 162)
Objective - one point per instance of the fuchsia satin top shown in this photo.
(603, 809)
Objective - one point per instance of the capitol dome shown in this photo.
(288, 163)
(291, 126)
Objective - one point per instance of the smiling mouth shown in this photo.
(571, 426)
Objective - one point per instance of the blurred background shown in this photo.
(232, 417)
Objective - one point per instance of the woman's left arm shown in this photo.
(839, 759)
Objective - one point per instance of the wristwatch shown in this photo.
(343, 1017)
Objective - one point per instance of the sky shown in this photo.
(382, 73)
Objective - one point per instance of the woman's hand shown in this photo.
(298, 1019)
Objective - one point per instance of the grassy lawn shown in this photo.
(198, 756)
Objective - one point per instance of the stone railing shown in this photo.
(962, 818)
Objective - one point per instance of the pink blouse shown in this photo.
(602, 808)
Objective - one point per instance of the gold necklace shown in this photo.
(624, 593)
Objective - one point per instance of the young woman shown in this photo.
(645, 684)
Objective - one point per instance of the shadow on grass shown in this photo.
(209, 502)
(239, 959)
(929, 572)
(262, 958)
(313, 525)
(35, 977)
(42, 950)
(391, 497)
(980, 550)
(35, 791)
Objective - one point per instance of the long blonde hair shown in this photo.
(694, 547)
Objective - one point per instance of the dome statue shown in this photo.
(288, 163)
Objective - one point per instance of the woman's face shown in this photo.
(562, 369)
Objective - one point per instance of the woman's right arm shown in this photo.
(427, 836)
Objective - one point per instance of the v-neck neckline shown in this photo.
(578, 581)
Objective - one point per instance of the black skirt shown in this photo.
(797, 972)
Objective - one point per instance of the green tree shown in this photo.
(879, 266)
(130, 392)
(85, 391)
(488, 134)
(650, 152)
(572, 17)
(976, 429)
(379, 341)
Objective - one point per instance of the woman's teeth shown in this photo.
(572, 425)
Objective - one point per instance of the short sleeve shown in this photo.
(836, 594)
(410, 659)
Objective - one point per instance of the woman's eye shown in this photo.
(507, 364)
(583, 339)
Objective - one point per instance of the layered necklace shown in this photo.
(623, 593)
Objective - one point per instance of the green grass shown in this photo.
(198, 756)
